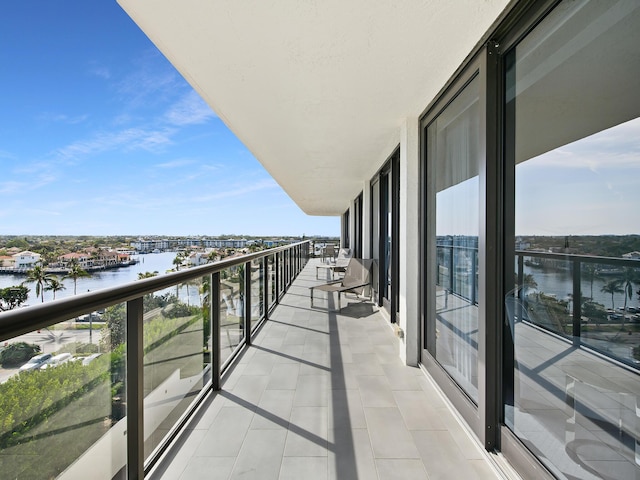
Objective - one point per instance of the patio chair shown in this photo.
(342, 261)
(356, 278)
(329, 253)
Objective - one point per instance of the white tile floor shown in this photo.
(324, 395)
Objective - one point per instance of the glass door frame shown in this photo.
(387, 183)
(482, 418)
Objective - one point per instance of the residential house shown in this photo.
(83, 259)
(7, 261)
(26, 259)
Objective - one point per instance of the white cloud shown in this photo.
(154, 81)
(102, 72)
(12, 187)
(616, 147)
(189, 110)
(129, 139)
(63, 118)
(181, 162)
(15, 187)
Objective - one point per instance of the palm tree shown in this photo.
(75, 272)
(529, 281)
(55, 285)
(590, 270)
(177, 261)
(41, 278)
(612, 287)
(630, 277)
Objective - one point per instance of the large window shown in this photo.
(385, 194)
(357, 241)
(452, 228)
(572, 153)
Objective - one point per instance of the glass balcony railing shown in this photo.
(112, 394)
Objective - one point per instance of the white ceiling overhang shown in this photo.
(318, 89)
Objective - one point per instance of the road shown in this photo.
(50, 341)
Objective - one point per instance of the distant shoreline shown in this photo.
(65, 271)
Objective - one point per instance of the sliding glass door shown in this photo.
(572, 156)
(453, 151)
(385, 194)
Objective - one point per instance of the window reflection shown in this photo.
(453, 145)
(572, 140)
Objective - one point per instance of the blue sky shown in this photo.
(100, 135)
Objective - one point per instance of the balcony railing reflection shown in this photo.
(457, 270)
(582, 316)
(161, 353)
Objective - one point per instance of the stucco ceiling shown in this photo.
(316, 89)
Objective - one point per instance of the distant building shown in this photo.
(7, 261)
(110, 258)
(26, 259)
(147, 246)
(197, 258)
(82, 258)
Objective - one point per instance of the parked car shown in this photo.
(90, 358)
(57, 360)
(36, 362)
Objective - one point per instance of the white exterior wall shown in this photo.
(409, 295)
(26, 259)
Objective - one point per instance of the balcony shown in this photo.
(310, 394)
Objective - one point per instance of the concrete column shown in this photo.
(409, 240)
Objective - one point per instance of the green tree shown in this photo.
(75, 272)
(627, 281)
(178, 261)
(594, 311)
(21, 243)
(55, 285)
(17, 353)
(13, 297)
(147, 275)
(115, 332)
(590, 270)
(41, 278)
(612, 287)
(529, 281)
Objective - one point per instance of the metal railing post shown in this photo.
(276, 267)
(247, 303)
(577, 302)
(265, 286)
(135, 390)
(215, 330)
(451, 271)
(521, 287)
(474, 265)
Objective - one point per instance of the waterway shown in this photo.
(160, 262)
(560, 284)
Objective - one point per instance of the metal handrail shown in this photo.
(628, 262)
(24, 320)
